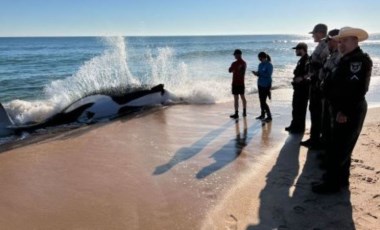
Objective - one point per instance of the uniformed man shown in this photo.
(316, 61)
(329, 67)
(301, 90)
(350, 82)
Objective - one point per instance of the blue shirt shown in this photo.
(265, 74)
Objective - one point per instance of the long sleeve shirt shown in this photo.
(264, 73)
(350, 81)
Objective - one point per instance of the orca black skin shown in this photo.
(90, 109)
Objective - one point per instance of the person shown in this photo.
(316, 59)
(349, 85)
(329, 67)
(264, 84)
(301, 90)
(238, 87)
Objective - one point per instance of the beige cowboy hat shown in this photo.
(352, 32)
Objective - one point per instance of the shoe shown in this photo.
(234, 116)
(244, 114)
(325, 188)
(296, 131)
(268, 119)
(261, 117)
(289, 128)
(306, 143)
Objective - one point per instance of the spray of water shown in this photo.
(110, 70)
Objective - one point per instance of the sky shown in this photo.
(182, 17)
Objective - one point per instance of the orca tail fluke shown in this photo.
(5, 122)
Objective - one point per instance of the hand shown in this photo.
(341, 118)
(298, 79)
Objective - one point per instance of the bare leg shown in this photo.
(236, 104)
(244, 101)
(236, 101)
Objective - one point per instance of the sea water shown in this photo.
(39, 76)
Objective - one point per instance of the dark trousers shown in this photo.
(264, 93)
(299, 104)
(328, 117)
(315, 108)
(343, 142)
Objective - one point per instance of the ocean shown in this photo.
(39, 76)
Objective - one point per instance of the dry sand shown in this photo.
(279, 195)
(184, 167)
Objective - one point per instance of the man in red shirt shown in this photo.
(238, 73)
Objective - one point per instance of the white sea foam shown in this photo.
(111, 70)
(190, 82)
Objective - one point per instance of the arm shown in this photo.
(231, 69)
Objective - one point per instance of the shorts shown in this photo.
(238, 89)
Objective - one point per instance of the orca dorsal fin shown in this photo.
(158, 88)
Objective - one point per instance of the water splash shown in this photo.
(106, 71)
(110, 70)
(165, 67)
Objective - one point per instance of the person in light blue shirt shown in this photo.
(264, 85)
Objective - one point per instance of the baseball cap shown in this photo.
(301, 45)
(331, 34)
(319, 28)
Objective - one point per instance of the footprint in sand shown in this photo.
(369, 180)
(231, 222)
(365, 167)
(357, 161)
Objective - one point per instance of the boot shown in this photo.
(235, 115)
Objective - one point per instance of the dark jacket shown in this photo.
(350, 81)
(301, 69)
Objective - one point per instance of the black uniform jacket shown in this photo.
(350, 81)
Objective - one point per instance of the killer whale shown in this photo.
(91, 108)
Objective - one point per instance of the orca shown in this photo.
(91, 109)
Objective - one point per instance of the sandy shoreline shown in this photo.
(184, 167)
(281, 198)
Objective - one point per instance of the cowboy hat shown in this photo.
(352, 32)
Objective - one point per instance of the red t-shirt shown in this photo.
(238, 71)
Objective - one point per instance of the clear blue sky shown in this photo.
(181, 17)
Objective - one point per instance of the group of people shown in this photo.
(333, 80)
(264, 84)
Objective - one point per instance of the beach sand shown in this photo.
(184, 167)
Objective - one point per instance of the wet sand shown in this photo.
(179, 167)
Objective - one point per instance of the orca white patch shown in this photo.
(355, 67)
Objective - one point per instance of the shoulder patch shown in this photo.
(355, 67)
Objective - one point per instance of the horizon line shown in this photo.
(169, 35)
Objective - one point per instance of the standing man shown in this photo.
(349, 84)
(328, 69)
(316, 61)
(238, 87)
(301, 90)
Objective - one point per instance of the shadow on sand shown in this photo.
(224, 156)
(232, 150)
(287, 202)
(186, 153)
